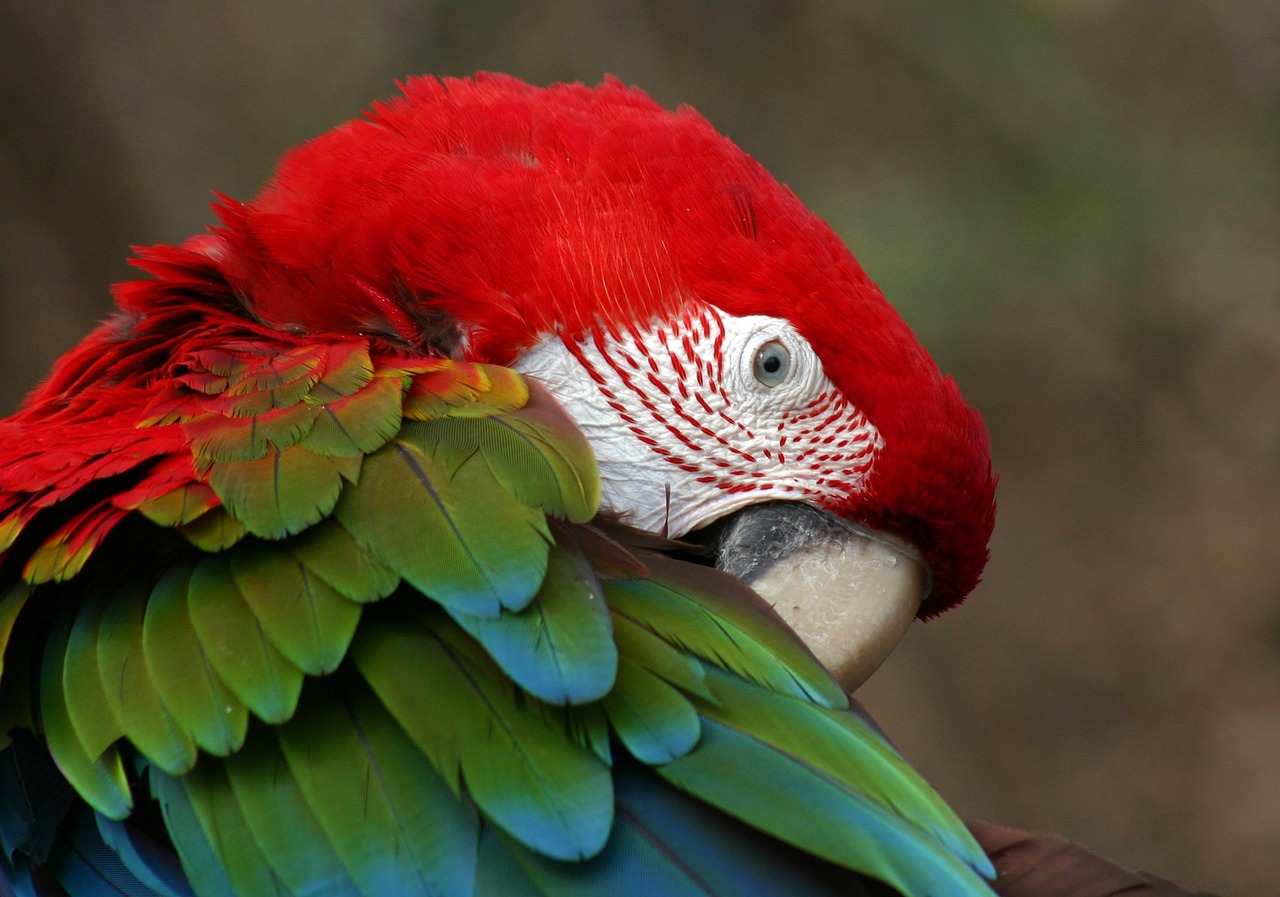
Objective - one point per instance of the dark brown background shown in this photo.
(1075, 202)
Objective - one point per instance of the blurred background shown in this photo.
(1076, 203)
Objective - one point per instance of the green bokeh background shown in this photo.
(1076, 203)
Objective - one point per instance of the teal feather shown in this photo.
(586, 725)
(85, 864)
(352, 761)
(155, 868)
(34, 798)
(15, 878)
(714, 854)
(464, 714)
(795, 802)
(843, 746)
(498, 873)
(219, 855)
(282, 824)
(560, 648)
(664, 842)
(653, 720)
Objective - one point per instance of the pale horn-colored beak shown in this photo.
(849, 593)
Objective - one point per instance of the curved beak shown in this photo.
(849, 593)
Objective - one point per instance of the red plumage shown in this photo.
(469, 217)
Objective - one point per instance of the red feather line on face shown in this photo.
(470, 217)
(645, 377)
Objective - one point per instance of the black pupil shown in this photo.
(771, 364)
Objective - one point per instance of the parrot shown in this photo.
(504, 501)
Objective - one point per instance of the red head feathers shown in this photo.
(471, 217)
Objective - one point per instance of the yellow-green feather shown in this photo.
(466, 717)
(306, 619)
(237, 647)
(331, 553)
(130, 691)
(91, 716)
(199, 701)
(99, 780)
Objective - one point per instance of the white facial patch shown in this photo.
(696, 417)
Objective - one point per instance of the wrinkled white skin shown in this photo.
(850, 601)
(674, 414)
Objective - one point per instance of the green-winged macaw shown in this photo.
(358, 552)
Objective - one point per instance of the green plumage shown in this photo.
(720, 620)
(197, 698)
(376, 652)
(424, 489)
(405, 807)
(653, 720)
(560, 647)
(304, 617)
(129, 688)
(95, 724)
(100, 779)
(468, 718)
(330, 553)
(236, 646)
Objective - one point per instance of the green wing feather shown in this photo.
(212, 836)
(428, 508)
(283, 492)
(208, 873)
(653, 720)
(560, 647)
(128, 687)
(405, 808)
(330, 553)
(364, 645)
(843, 747)
(282, 823)
(722, 621)
(95, 724)
(842, 798)
(466, 716)
(100, 779)
(304, 617)
(197, 697)
(235, 644)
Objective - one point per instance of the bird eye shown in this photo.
(772, 363)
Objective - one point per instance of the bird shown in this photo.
(504, 501)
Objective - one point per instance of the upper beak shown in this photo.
(849, 593)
